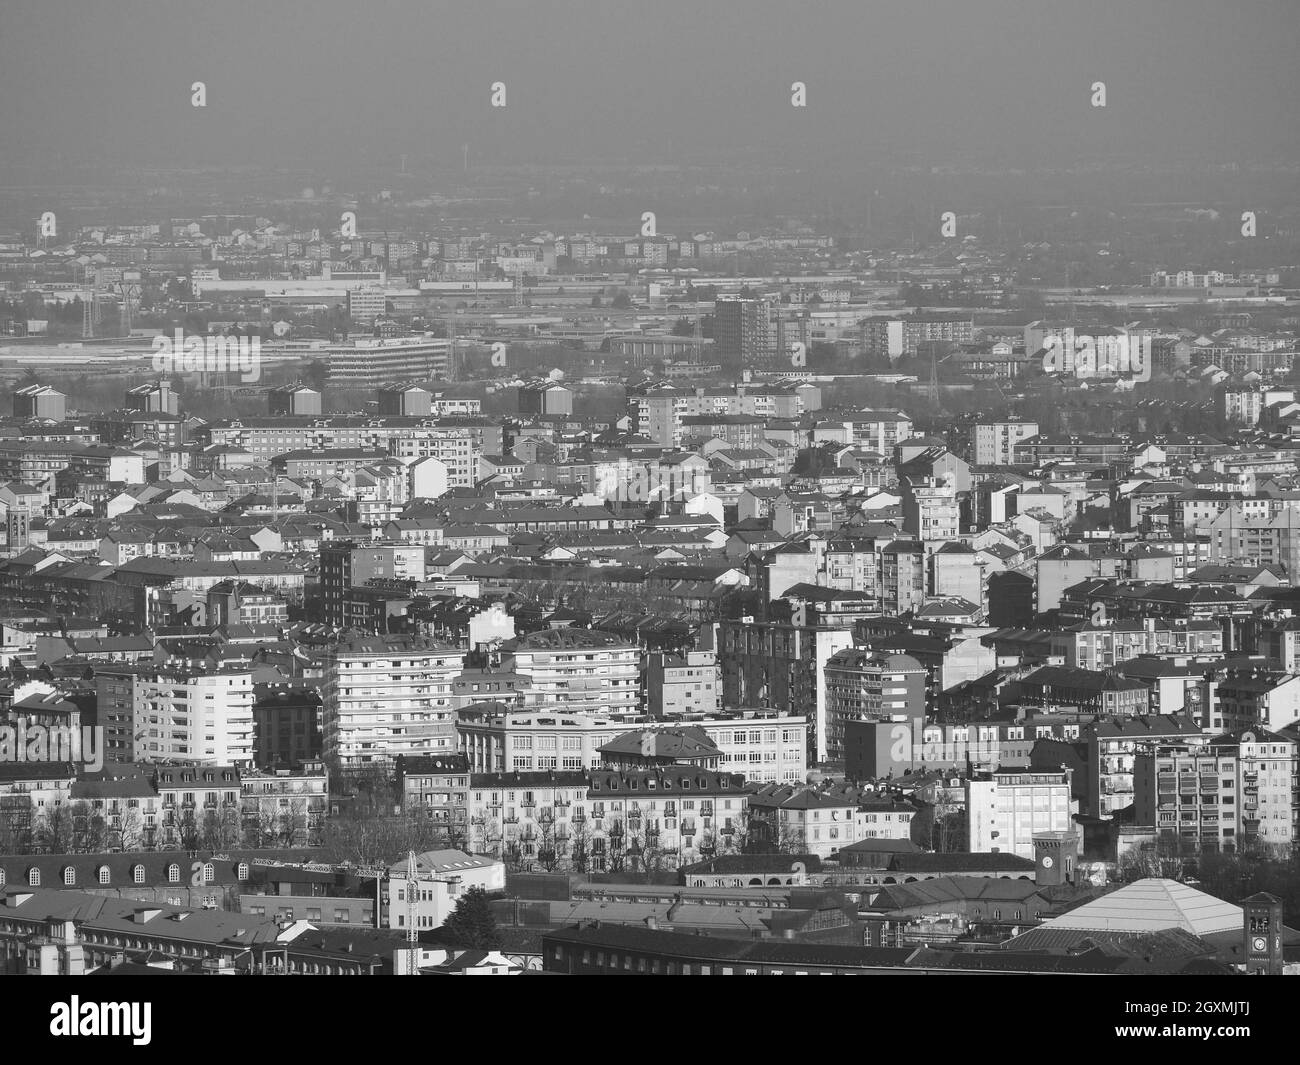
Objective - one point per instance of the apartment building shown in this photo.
(458, 444)
(689, 683)
(994, 443)
(287, 805)
(865, 685)
(1237, 792)
(774, 664)
(436, 787)
(1114, 745)
(194, 801)
(897, 337)
(1101, 646)
(541, 740)
(608, 820)
(372, 362)
(746, 333)
(386, 696)
(1005, 809)
(577, 669)
(154, 713)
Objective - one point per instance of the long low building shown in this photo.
(603, 949)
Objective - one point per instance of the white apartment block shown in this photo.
(577, 669)
(178, 713)
(994, 443)
(1004, 811)
(389, 695)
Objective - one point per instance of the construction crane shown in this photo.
(412, 916)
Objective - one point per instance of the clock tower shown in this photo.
(1262, 928)
(1054, 856)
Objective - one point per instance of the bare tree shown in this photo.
(210, 830)
(616, 844)
(190, 832)
(87, 828)
(130, 829)
(791, 839)
(229, 828)
(739, 839)
(950, 833)
(548, 856)
(579, 845)
(53, 830)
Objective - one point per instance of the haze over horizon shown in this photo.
(293, 84)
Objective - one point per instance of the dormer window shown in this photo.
(33, 877)
(209, 873)
(103, 874)
(69, 876)
(137, 874)
(242, 871)
(173, 874)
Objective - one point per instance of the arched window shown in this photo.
(2, 878)
(209, 873)
(242, 871)
(137, 874)
(69, 876)
(103, 874)
(33, 877)
(173, 874)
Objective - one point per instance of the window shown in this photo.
(173, 874)
(209, 873)
(33, 877)
(137, 874)
(242, 872)
(103, 874)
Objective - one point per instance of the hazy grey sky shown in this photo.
(324, 78)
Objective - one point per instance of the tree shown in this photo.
(683, 328)
(622, 300)
(53, 831)
(579, 845)
(738, 840)
(190, 832)
(922, 828)
(950, 833)
(471, 924)
(791, 839)
(211, 831)
(596, 301)
(130, 830)
(617, 854)
(548, 847)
